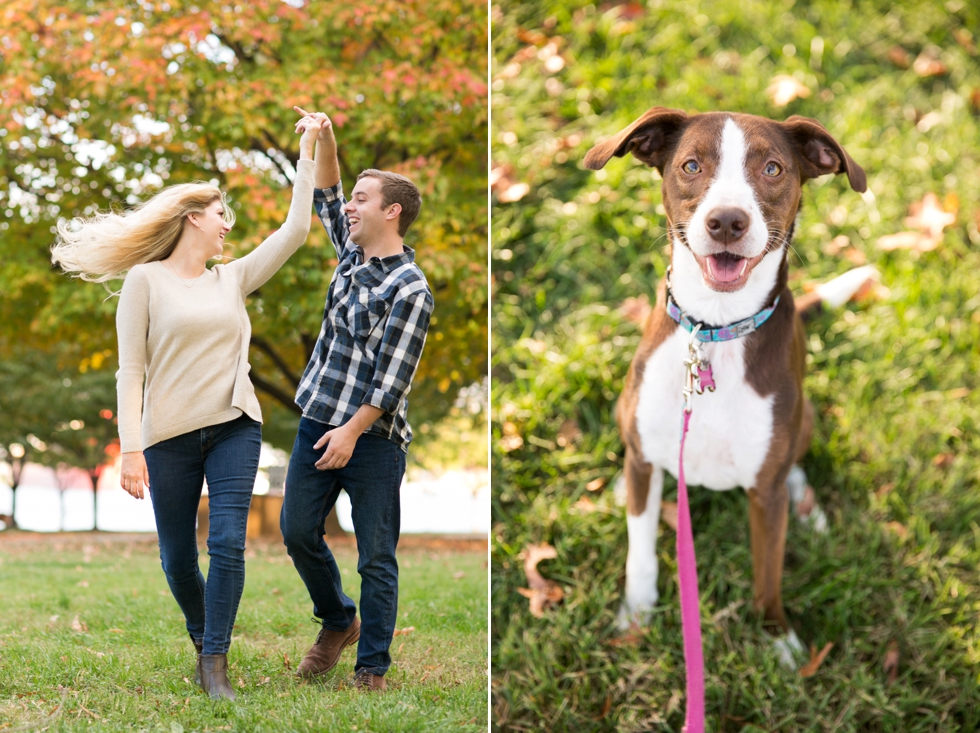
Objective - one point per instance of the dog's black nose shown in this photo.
(726, 224)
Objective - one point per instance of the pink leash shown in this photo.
(699, 378)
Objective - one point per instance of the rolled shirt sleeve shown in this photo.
(329, 205)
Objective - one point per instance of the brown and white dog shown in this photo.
(732, 190)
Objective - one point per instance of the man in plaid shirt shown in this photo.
(354, 434)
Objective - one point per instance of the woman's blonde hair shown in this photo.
(103, 247)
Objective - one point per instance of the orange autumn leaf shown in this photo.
(585, 505)
(542, 593)
(816, 659)
(595, 484)
(928, 219)
(928, 64)
(784, 88)
(632, 636)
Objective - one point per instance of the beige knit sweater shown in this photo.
(189, 338)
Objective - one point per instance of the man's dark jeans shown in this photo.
(372, 478)
(228, 455)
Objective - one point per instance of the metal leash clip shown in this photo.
(697, 371)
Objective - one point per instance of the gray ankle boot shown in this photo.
(214, 676)
(198, 647)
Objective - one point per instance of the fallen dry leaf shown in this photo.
(79, 626)
(585, 505)
(511, 442)
(285, 661)
(501, 182)
(965, 39)
(595, 484)
(816, 659)
(542, 593)
(943, 460)
(82, 584)
(929, 217)
(836, 245)
(784, 88)
(915, 241)
(568, 433)
(890, 664)
(928, 64)
(459, 574)
(607, 706)
(633, 635)
(636, 310)
(898, 529)
(407, 630)
(900, 57)
(885, 489)
(929, 121)
(668, 514)
(514, 193)
(856, 257)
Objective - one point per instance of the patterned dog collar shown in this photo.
(725, 333)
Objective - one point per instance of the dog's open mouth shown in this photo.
(726, 270)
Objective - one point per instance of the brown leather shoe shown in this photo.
(365, 680)
(325, 652)
(214, 676)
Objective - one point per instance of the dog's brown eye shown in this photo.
(772, 169)
(691, 167)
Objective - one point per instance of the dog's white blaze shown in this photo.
(729, 187)
(730, 429)
(641, 559)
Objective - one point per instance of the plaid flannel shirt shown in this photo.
(374, 325)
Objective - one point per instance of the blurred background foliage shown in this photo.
(896, 456)
(101, 104)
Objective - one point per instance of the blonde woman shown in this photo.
(187, 410)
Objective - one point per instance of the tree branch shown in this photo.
(266, 348)
(258, 147)
(276, 393)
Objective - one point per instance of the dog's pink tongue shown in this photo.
(724, 268)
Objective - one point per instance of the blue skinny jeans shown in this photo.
(226, 454)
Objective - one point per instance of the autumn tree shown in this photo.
(56, 415)
(102, 103)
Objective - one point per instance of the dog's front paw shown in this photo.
(635, 614)
(789, 650)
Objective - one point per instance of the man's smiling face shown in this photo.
(365, 213)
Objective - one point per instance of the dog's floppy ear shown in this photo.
(648, 139)
(820, 154)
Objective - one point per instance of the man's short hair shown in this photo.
(397, 189)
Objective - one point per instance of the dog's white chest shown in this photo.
(730, 428)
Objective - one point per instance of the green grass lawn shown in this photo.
(128, 665)
(896, 456)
